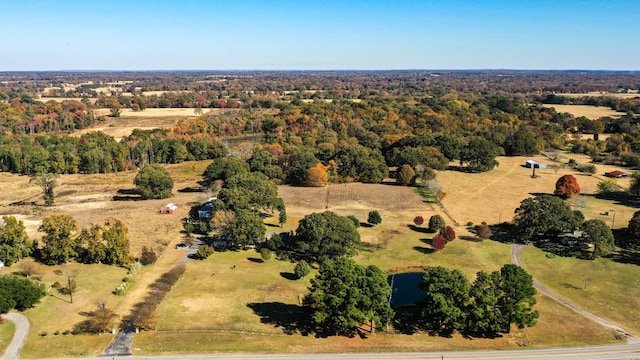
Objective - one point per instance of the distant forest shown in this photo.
(351, 125)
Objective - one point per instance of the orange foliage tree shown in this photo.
(567, 186)
(317, 176)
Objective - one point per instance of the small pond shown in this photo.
(405, 291)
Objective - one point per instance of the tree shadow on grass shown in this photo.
(470, 238)
(127, 195)
(504, 232)
(618, 198)
(405, 320)
(419, 229)
(366, 225)
(424, 250)
(288, 275)
(255, 260)
(191, 189)
(626, 256)
(292, 319)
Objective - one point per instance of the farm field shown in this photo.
(589, 111)
(630, 94)
(493, 196)
(254, 302)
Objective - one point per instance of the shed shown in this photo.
(616, 174)
(169, 209)
(535, 164)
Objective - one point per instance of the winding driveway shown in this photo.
(515, 258)
(22, 330)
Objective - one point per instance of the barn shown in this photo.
(169, 209)
(616, 174)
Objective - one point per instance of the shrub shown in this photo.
(374, 217)
(148, 256)
(436, 222)
(302, 269)
(203, 252)
(265, 254)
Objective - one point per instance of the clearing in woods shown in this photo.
(589, 111)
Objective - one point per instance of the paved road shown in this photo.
(515, 258)
(22, 330)
(611, 352)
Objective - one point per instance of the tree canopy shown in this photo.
(326, 235)
(544, 216)
(567, 186)
(153, 182)
(19, 293)
(59, 242)
(14, 242)
(345, 296)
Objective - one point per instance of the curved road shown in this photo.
(515, 258)
(22, 330)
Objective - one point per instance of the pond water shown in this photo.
(404, 287)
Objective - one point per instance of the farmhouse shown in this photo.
(169, 209)
(206, 211)
(616, 174)
(535, 164)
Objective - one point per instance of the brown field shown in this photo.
(159, 112)
(589, 111)
(630, 94)
(493, 196)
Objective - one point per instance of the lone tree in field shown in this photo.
(153, 182)
(438, 242)
(47, 183)
(418, 220)
(374, 217)
(545, 216)
(326, 235)
(436, 222)
(567, 186)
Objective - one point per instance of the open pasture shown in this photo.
(493, 196)
(589, 111)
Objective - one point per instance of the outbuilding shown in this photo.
(534, 164)
(616, 174)
(169, 209)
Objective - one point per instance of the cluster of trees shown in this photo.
(14, 242)
(543, 218)
(485, 308)
(242, 199)
(106, 244)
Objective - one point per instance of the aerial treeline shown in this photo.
(61, 242)
(98, 153)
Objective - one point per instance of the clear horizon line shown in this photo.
(324, 70)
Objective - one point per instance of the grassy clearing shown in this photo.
(612, 289)
(7, 329)
(589, 111)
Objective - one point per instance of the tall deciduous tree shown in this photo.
(448, 233)
(406, 175)
(374, 217)
(153, 182)
(599, 234)
(326, 235)
(19, 293)
(47, 182)
(59, 243)
(224, 168)
(436, 222)
(484, 315)
(544, 216)
(517, 298)
(480, 154)
(443, 309)
(567, 186)
(14, 242)
(438, 242)
(345, 296)
(317, 176)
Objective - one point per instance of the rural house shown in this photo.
(206, 211)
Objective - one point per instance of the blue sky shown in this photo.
(318, 35)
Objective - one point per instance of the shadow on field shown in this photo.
(424, 250)
(127, 195)
(419, 229)
(504, 233)
(288, 275)
(619, 198)
(255, 260)
(405, 322)
(625, 256)
(291, 318)
(190, 189)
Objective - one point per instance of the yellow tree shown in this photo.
(317, 176)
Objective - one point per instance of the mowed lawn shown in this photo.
(234, 302)
(7, 329)
(607, 288)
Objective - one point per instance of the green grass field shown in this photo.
(612, 288)
(6, 335)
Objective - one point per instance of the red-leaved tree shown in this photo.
(567, 186)
(418, 220)
(448, 233)
(438, 242)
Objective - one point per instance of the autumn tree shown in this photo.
(448, 233)
(438, 242)
(59, 242)
(567, 186)
(317, 176)
(418, 220)
(406, 175)
(14, 242)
